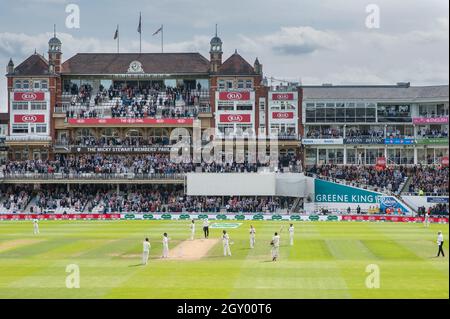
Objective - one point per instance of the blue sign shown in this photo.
(399, 141)
(441, 200)
(392, 203)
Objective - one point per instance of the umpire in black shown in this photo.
(440, 242)
(206, 227)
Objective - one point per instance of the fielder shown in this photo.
(35, 226)
(252, 236)
(275, 246)
(192, 226)
(226, 244)
(145, 251)
(291, 234)
(440, 242)
(165, 246)
(426, 222)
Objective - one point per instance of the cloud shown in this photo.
(299, 40)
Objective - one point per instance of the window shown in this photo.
(20, 105)
(36, 85)
(244, 107)
(26, 84)
(38, 106)
(240, 84)
(221, 85)
(248, 84)
(225, 106)
(18, 84)
(225, 128)
(20, 128)
(229, 85)
(44, 85)
(41, 128)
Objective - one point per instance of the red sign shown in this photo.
(29, 96)
(403, 219)
(119, 121)
(29, 118)
(234, 96)
(58, 216)
(282, 96)
(235, 118)
(444, 161)
(381, 161)
(282, 115)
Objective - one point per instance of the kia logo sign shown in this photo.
(234, 96)
(234, 118)
(29, 96)
(282, 96)
(29, 118)
(282, 115)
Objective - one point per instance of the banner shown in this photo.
(364, 140)
(282, 115)
(282, 96)
(404, 219)
(432, 120)
(381, 161)
(440, 200)
(29, 96)
(235, 118)
(322, 141)
(399, 141)
(432, 140)
(131, 121)
(444, 161)
(391, 203)
(329, 192)
(119, 149)
(29, 118)
(58, 216)
(234, 96)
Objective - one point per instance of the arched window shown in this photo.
(18, 84)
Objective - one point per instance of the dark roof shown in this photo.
(236, 65)
(152, 63)
(377, 92)
(36, 64)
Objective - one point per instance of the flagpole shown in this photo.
(162, 38)
(118, 36)
(140, 33)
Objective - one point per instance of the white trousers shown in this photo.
(165, 251)
(192, 234)
(252, 241)
(275, 251)
(292, 239)
(36, 230)
(226, 250)
(145, 257)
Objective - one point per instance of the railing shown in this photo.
(28, 138)
(90, 176)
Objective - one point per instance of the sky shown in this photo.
(307, 41)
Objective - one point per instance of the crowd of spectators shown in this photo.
(389, 179)
(324, 132)
(15, 199)
(430, 180)
(364, 132)
(440, 209)
(432, 133)
(149, 164)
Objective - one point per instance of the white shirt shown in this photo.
(225, 239)
(252, 232)
(276, 241)
(291, 230)
(35, 222)
(165, 241)
(205, 223)
(146, 246)
(440, 239)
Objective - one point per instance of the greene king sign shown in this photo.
(328, 192)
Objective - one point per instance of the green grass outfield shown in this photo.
(329, 260)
